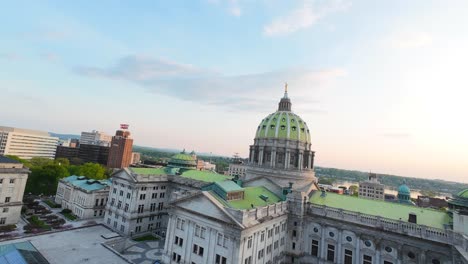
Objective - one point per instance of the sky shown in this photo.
(382, 85)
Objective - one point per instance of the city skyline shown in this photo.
(382, 92)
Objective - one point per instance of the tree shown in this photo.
(353, 189)
(39, 162)
(62, 161)
(92, 170)
(323, 180)
(44, 179)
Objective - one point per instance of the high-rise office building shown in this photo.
(95, 138)
(26, 143)
(372, 188)
(120, 152)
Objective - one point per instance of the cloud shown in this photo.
(190, 83)
(409, 40)
(50, 56)
(232, 6)
(11, 56)
(303, 17)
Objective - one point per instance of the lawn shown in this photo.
(51, 204)
(70, 216)
(145, 238)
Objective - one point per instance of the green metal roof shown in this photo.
(206, 176)
(229, 186)
(183, 156)
(395, 211)
(252, 197)
(463, 194)
(284, 125)
(149, 171)
(87, 184)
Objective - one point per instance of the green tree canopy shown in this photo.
(92, 170)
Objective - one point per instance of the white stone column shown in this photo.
(252, 155)
(357, 256)
(309, 163)
(300, 160)
(339, 254)
(287, 157)
(323, 246)
(260, 156)
(273, 158)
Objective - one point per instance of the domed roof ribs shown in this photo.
(285, 102)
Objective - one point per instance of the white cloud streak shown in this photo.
(190, 83)
(410, 40)
(305, 16)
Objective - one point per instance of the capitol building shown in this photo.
(275, 212)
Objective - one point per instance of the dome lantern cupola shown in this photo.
(285, 102)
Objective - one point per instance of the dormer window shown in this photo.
(293, 128)
(302, 129)
(272, 126)
(283, 119)
(263, 127)
(292, 120)
(283, 127)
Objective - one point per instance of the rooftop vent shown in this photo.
(412, 218)
(263, 197)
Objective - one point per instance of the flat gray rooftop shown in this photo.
(73, 246)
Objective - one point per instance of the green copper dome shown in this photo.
(404, 189)
(283, 125)
(183, 160)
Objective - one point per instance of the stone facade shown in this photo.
(13, 177)
(83, 202)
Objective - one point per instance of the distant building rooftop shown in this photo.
(4, 159)
(86, 183)
(252, 197)
(395, 211)
(205, 176)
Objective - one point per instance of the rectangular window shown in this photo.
(121, 193)
(179, 241)
(128, 195)
(248, 260)
(126, 207)
(275, 245)
(5, 209)
(203, 232)
(161, 195)
(7, 199)
(12, 180)
(1, 180)
(122, 228)
(249, 242)
(348, 256)
(97, 202)
(2, 220)
(141, 208)
(367, 259)
(142, 196)
(315, 248)
(268, 249)
(260, 254)
(220, 259)
(331, 253)
(262, 237)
